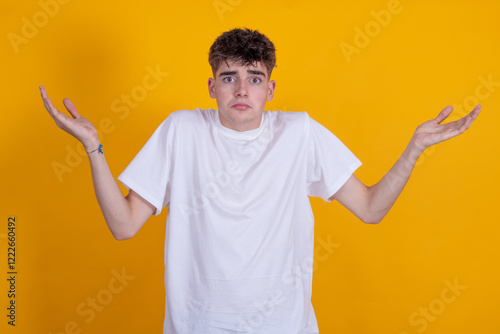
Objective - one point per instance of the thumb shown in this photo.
(443, 114)
(71, 108)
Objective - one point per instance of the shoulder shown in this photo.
(301, 122)
(189, 118)
(194, 115)
(292, 120)
(180, 121)
(289, 116)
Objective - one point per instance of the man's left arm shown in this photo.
(371, 204)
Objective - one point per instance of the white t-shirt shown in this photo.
(239, 242)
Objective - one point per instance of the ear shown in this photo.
(271, 86)
(211, 87)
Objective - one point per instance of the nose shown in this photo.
(241, 89)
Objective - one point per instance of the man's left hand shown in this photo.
(433, 132)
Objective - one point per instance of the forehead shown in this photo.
(238, 67)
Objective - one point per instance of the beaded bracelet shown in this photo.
(97, 149)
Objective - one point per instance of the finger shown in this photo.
(56, 114)
(71, 108)
(45, 98)
(465, 122)
(473, 115)
(46, 101)
(470, 117)
(443, 114)
(43, 92)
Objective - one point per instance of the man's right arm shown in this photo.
(124, 215)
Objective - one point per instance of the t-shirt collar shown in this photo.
(242, 135)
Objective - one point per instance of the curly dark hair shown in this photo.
(243, 46)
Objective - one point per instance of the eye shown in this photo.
(228, 79)
(255, 80)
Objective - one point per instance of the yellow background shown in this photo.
(431, 54)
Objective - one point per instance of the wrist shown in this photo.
(414, 150)
(98, 149)
(90, 145)
(93, 147)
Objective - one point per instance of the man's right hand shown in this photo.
(78, 126)
(124, 215)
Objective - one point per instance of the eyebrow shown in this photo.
(256, 72)
(227, 73)
(249, 71)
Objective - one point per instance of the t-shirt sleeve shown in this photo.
(149, 173)
(329, 162)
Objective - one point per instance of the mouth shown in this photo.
(240, 106)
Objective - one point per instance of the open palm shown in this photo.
(77, 126)
(433, 132)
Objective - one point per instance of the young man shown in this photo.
(240, 232)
